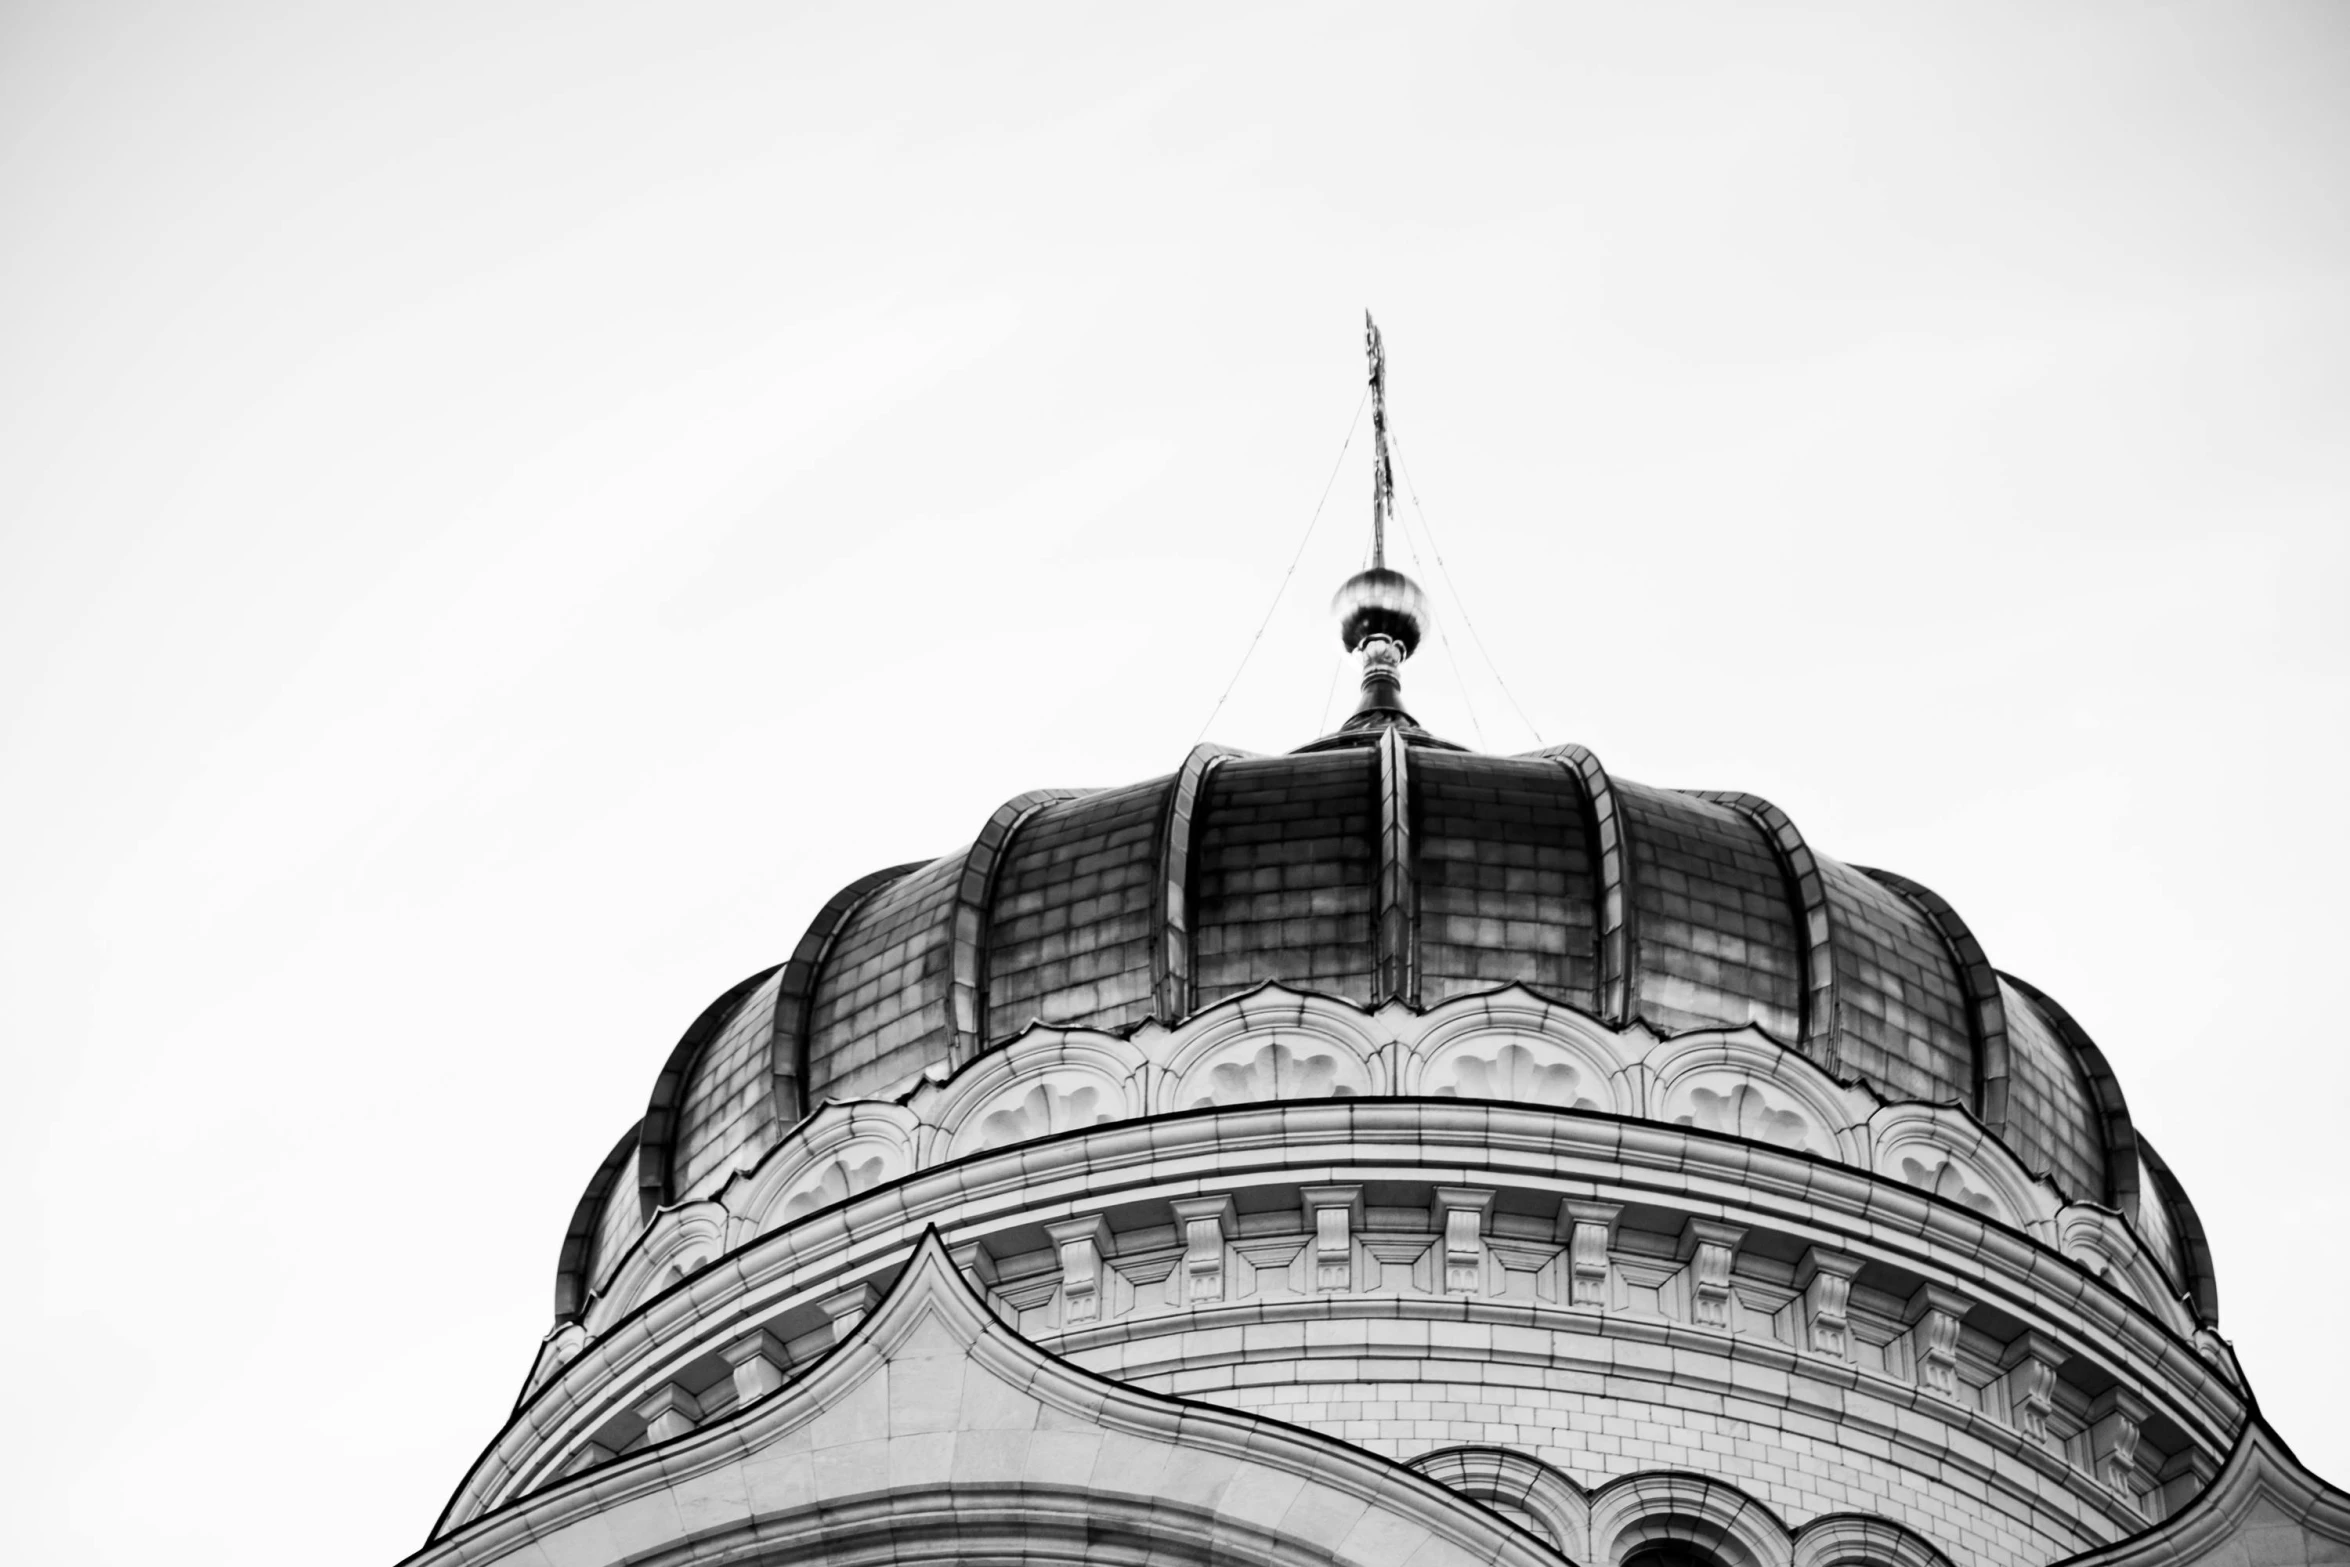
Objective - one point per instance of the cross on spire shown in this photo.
(1380, 612)
(1382, 470)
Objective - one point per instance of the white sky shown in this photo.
(503, 509)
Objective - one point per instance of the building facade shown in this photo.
(1385, 1153)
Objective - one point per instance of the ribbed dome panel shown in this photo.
(727, 1116)
(1164, 898)
(1716, 937)
(1286, 867)
(1902, 1011)
(880, 1014)
(1505, 878)
(617, 1227)
(2052, 1124)
(1070, 931)
(2157, 1228)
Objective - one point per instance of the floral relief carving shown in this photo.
(1744, 1110)
(1946, 1180)
(1044, 1109)
(836, 1180)
(1273, 1071)
(1517, 1075)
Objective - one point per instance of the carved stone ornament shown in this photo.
(1205, 1224)
(761, 1364)
(1709, 1248)
(1083, 1246)
(1935, 1314)
(1335, 1214)
(1587, 1227)
(1459, 1213)
(2029, 1382)
(1825, 1278)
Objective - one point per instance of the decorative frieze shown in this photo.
(1083, 1246)
(1459, 1214)
(2028, 1381)
(1935, 1314)
(1586, 1228)
(669, 1412)
(1709, 1247)
(2115, 1418)
(1333, 1215)
(1205, 1223)
(761, 1364)
(1824, 1279)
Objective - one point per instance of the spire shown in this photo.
(1382, 471)
(1380, 612)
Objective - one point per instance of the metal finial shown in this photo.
(1382, 471)
(1380, 612)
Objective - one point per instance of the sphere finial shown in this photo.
(1381, 615)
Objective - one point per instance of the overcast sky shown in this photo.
(504, 508)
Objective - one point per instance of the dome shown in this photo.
(1524, 1149)
(1384, 866)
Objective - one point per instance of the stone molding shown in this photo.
(1274, 1045)
(930, 1393)
(1509, 1148)
(1500, 1475)
(1645, 1509)
(2264, 1510)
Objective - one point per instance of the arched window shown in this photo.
(1672, 1553)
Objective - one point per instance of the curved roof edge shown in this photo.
(969, 918)
(2265, 1509)
(2121, 1137)
(2194, 1246)
(659, 1127)
(1986, 1010)
(579, 1240)
(1604, 824)
(795, 993)
(1171, 956)
(1808, 893)
(933, 1321)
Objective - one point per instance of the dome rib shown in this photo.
(1171, 907)
(659, 1127)
(795, 993)
(967, 919)
(1604, 821)
(1986, 1011)
(2105, 1091)
(2194, 1247)
(1821, 1020)
(579, 1239)
(1395, 924)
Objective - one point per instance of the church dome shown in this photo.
(1384, 866)
(1526, 1150)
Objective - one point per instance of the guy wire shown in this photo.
(1413, 490)
(1311, 523)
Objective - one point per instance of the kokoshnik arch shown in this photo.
(1386, 1153)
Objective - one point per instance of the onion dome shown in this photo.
(1381, 865)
